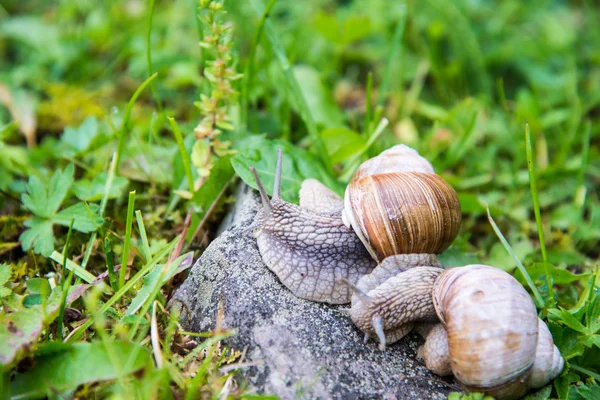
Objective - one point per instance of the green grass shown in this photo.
(502, 97)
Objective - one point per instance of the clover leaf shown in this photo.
(44, 201)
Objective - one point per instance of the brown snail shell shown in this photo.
(396, 204)
(493, 332)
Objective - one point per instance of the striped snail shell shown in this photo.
(397, 204)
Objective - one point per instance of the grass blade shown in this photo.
(65, 250)
(110, 265)
(369, 105)
(465, 35)
(65, 284)
(396, 48)
(127, 241)
(534, 192)
(125, 124)
(540, 303)
(159, 282)
(185, 155)
(114, 165)
(536, 210)
(586, 371)
(581, 192)
(125, 288)
(109, 180)
(77, 269)
(351, 165)
(248, 70)
(142, 230)
(149, 55)
(286, 67)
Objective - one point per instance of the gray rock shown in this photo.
(303, 349)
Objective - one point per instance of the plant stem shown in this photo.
(149, 56)
(536, 210)
(127, 241)
(185, 155)
(110, 265)
(540, 303)
(65, 285)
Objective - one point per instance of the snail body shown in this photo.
(389, 301)
(310, 252)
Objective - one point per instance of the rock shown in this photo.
(303, 349)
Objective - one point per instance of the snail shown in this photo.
(394, 208)
(490, 336)
(377, 247)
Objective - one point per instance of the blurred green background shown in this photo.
(457, 80)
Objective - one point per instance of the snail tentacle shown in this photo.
(358, 292)
(261, 189)
(377, 324)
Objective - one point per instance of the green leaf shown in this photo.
(86, 217)
(567, 340)
(593, 340)
(36, 200)
(592, 315)
(342, 143)
(13, 302)
(560, 276)
(220, 175)
(93, 190)
(67, 367)
(352, 29)
(318, 99)
(43, 199)
(329, 27)
(5, 272)
(453, 257)
(38, 286)
(567, 318)
(542, 394)
(298, 165)
(80, 139)
(356, 27)
(562, 385)
(132, 319)
(32, 300)
(468, 396)
(35, 32)
(21, 329)
(38, 236)
(4, 292)
(591, 392)
(179, 265)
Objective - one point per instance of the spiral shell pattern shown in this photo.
(492, 328)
